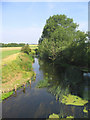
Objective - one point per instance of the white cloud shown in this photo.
(26, 35)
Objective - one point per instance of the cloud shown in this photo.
(26, 35)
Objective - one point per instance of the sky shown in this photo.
(23, 22)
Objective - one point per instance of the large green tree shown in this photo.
(55, 22)
(62, 42)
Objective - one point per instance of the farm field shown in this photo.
(9, 48)
(6, 51)
(33, 46)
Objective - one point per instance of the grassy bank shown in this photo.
(16, 73)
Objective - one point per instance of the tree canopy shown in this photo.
(61, 42)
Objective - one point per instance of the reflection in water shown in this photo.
(30, 86)
(40, 103)
(23, 89)
(65, 81)
(68, 80)
(15, 93)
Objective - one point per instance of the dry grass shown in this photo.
(9, 58)
(9, 48)
(16, 48)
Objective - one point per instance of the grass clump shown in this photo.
(6, 95)
(73, 100)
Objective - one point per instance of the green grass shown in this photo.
(17, 72)
(9, 52)
(6, 95)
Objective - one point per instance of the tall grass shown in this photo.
(17, 71)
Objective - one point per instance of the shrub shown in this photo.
(26, 49)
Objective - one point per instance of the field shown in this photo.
(9, 48)
(10, 52)
(33, 46)
(6, 51)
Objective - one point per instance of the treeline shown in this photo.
(62, 43)
(12, 44)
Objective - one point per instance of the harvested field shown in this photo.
(9, 48)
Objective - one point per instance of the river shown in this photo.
(32, 102)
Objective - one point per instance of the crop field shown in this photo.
(10, 52)
(9, 48)
(33, 46)
(6, 51)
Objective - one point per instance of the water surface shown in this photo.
(32, 102)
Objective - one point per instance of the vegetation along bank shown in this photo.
(17, 72)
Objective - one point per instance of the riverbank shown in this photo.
(16, 73)
(44, 102)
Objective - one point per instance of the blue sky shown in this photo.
(24, 21)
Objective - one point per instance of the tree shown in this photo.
(61, 41)
(55, 22)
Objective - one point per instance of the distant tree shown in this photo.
(12, 45)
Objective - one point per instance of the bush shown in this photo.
(26, 49)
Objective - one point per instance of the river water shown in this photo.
(32, 102)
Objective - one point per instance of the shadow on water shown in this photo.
(32, 102)
(71, 77)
